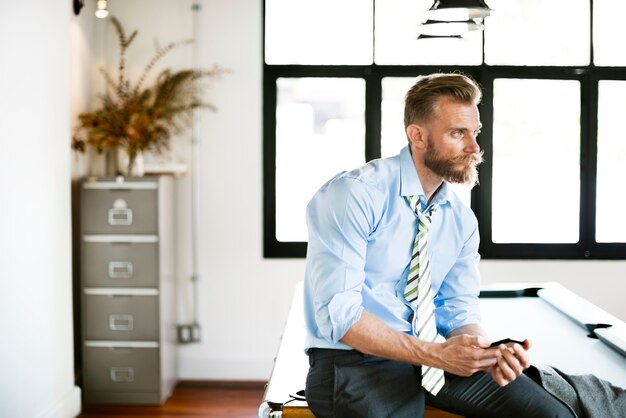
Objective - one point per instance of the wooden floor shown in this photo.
(207, 399)
(193, 399)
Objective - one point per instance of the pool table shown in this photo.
(567, 332)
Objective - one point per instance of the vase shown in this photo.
(112, 162)
(132, 162)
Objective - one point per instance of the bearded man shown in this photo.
(391, 283)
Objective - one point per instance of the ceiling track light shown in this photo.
(101, 9)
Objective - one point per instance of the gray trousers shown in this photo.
(343, 383)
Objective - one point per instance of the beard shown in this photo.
(446, 167)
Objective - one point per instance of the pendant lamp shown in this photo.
(447, 29)
(458, 10)
(101, 9)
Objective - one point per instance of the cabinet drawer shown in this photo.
(119, 264)
(120, 316)
(130, 208)
(120, 368)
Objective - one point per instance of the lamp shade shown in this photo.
(446, 29)
(423, 36)
(458, 10)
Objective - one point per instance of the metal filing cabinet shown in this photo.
(128, 290)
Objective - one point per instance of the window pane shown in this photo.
(397, 23)
(392, 136)
(610, 198)
(608, 33)
(320, 131)
(536, 161)
(325, 32)
(537, 32)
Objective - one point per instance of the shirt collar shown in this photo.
(410, 184)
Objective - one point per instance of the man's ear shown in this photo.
(416, 135)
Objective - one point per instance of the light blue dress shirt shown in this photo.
(361, 233)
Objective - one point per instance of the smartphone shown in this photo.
(506, 341)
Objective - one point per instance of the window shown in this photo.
(607, 32)
(610, 198)
(321, 32)
(313, 116)
(536, 161)
(538, 32)
(554, 81)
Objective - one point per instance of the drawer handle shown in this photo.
(122, 374)
(121, 322)
(123, 216)
(120, 269)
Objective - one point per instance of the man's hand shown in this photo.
(511, 362)
(464, 355)
(465, 352)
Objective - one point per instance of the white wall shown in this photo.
(244, 298)
(36, 353)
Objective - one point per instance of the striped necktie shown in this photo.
(419, 293)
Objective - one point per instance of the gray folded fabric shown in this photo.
(586, 395)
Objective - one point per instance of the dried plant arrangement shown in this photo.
(135, 118)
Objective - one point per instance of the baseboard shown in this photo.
(222, 384)
(68, 407)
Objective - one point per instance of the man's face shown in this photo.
(452, 152)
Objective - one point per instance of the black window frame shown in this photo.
(589, 77)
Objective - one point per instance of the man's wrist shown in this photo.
(427, 354)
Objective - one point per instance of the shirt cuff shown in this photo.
(344, 310)
(453, 317)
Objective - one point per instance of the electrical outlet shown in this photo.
(188, 333)
(195, 333)
(184, 336)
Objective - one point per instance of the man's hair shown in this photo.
(420, 100)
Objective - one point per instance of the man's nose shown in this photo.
(472, 145)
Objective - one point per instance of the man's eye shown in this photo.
(476, 133)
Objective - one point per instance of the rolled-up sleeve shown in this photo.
(457, 298)
(339, 218)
